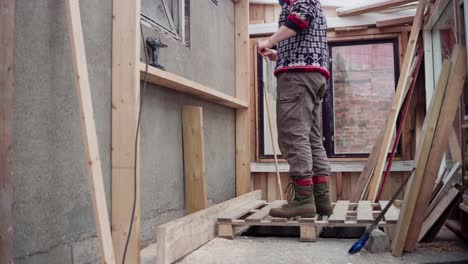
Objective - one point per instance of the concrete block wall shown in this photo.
(52, 211)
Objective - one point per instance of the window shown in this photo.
(173, 16)
(267, 80)
(360, 94)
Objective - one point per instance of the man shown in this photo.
(301, 71)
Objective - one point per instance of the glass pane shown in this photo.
(363, 90)
(155, 10)
(269, 83)
(443, 40)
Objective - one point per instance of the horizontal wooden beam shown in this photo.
(359, 10)
(182, 236)
(395, 22)
(336, 22)
(341, 166)
(183, 85)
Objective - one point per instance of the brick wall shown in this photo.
(364, 85)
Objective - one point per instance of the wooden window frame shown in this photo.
(328, 121)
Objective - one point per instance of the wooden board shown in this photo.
(368, 169)
(400, 93)
(454, 145)
(181, 236)
(262, 213)
(437, 212)
(243, 178)
(240, 210)
(422, 153)
(7, 42)
(439, 144)
(88, 126)
(395, 22)
(453, 177)
(367, 8)
(125, 105)
(391, 216)
(340, 212)
(194, 159)
(172, 81)
(364, 212)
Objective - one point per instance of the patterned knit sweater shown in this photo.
(308, 50)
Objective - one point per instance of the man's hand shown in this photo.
(271, 54)
(264, 46)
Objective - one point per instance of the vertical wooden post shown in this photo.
(242, 92)
(194, 159)
(125, 106)
(7, 42)
(89, 130)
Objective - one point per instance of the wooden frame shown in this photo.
(7, 42)
(329, 112)
(126, 74)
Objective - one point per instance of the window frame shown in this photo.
(328, 120)
(176, 18)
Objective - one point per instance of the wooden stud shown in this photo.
(272, 187)
(172, 81)
(412, 189)
(194, 159)
(359, 10)
(88, 126)
(454, 146)
(439, 145)
(400, 93)
(241, 13)
(181, 236)
(339, 185)
(125, 105)
(7, 43)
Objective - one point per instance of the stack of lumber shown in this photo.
(436, 130)
(433, 195)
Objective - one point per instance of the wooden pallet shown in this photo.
(345, 214)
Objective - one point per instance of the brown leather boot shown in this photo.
(303, 204)
(322, 197)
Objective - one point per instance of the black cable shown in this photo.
(137, 134)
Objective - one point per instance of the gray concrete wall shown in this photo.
(53, 221)
(209, 61)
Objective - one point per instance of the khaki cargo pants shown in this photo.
(299, 99)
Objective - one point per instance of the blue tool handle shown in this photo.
(358, 245)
